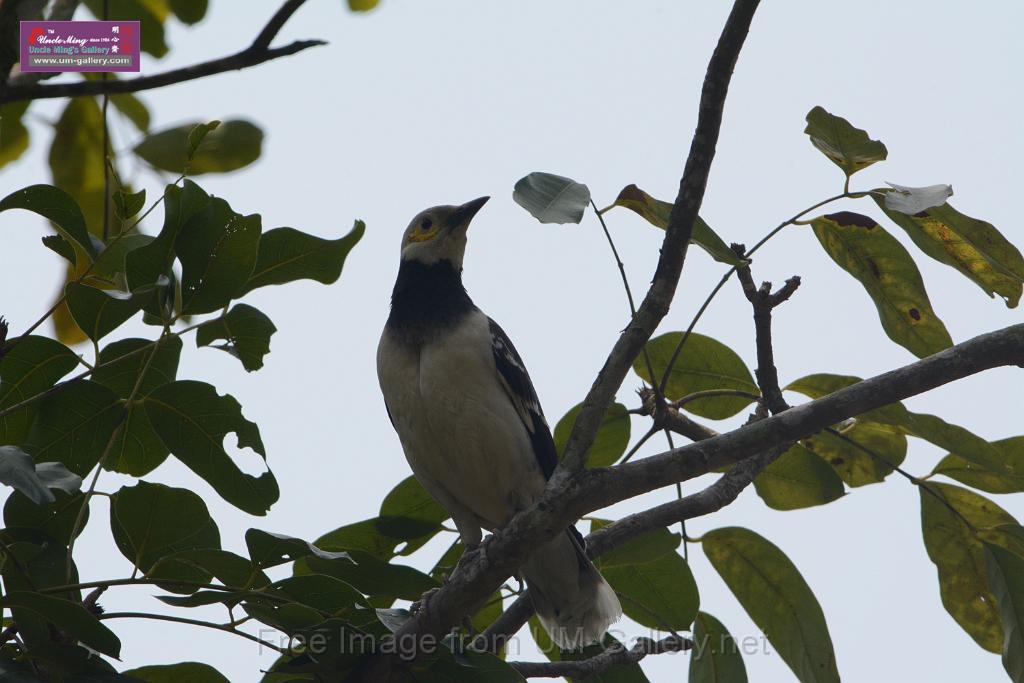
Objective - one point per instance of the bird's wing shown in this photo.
(517, 384)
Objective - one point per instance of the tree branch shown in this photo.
(659, 296)
(613, 656)
(256, 53)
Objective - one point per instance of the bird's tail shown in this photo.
(573, 601)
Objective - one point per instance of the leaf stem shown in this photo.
(227, 628)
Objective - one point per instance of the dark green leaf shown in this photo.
(229, 146)
(286, 255)
(150, 521)
(246, 332)
(704, 363)
(61, 247)
(189, 11)
(13, 133)
(947, 515)
(611, 440)
(657, 213)
(230, 569)
(29, 366)
(849, 148)
(69, 617)
(144, 266)
(99, 311)
(798, 479)
(974, 247)
(322, 592)
(192, 421)
(716, 656)
(647, 547)
(470, 666)
(879, 262)
(58, 206)
(137, 450)
(269, 550)
(128, 204)
(778, 600)
(966, 472)
(372, 576)
(659, 593)
(18, 471)
(1006, 577)
(55, 521)
(620, 673)
(408, 513)
(74, 425)
(552, 198)
(183, 672)
(217, 249)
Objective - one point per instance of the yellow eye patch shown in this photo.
(421, 235)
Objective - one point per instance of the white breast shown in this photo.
(459, 429)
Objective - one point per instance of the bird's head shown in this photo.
(439, 234)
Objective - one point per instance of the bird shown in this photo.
(470, 422)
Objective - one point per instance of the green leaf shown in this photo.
(867, 455)
(286, 255)
(192, 421)
(716, 656)
(246, 332)
(974, 247)
(13, 133)
(268, 549)
(196, 136)
(192, 672)
(798, 479)
(704, 363)
(849, 148)
(134, 110)
(77, 159)
(137, 449)
(217, 249)
(647, 547)
(229, 146)
(612, 438)
(1006, 577)
(362, 5)
(189, 11)
(552, 198)
(151, 521)
(374, 577)
(778, 600)
(149, 14)
(55, 520)
(69, 617)
(657, 212)
(620, 673)
(230, 569)
(660, 593)
(879, 262)
(100, 311)
(145, 265)
(19, 471)
(966, 472)
(61, 247)
(56, 205)
(128, 204)
(958, 554)
(74, 425)
(29, 366)
(408, 513)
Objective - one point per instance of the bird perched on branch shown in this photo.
(471, 425)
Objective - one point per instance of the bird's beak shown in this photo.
(461, 217)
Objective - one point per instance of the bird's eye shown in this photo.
(425, 224)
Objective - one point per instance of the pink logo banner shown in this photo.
(79, 46)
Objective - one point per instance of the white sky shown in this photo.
(431, 103)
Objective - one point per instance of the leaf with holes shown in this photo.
(287, 255)
(246, 332)
(848, 147)
(657, 213)
(974, 247)
(612, 438)
(703, 364)
(552, 198)
(192, 421)
(778, 600)
(879, 262)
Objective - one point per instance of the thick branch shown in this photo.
(613, 656)
(257, 53)
(673, 249)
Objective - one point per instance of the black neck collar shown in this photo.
(427, 299)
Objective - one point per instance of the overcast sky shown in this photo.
(424, 103)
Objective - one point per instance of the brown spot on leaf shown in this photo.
(914, 313)
(848, 218)
(874, 268)
(837, 461)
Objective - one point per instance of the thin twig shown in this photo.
(614, 656)
(227, 628)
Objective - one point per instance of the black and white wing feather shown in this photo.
(515, 379)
